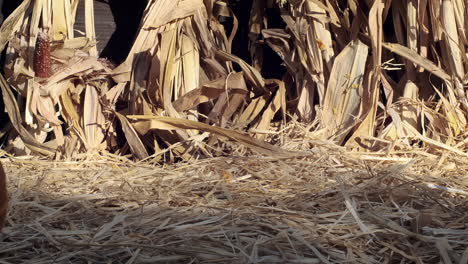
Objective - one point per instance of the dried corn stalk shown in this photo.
(372, 75)
(410, 103)
(57, 77)
(179, 66)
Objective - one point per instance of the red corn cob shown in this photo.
(41, 60)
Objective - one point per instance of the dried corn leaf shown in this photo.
(231, 84)
(46, 13)
(344, 91)
(176, 10)
(433, 142)
(370, 96)
(71, 116)
(76, 66)
(453, 44)
(251, 74)
(12, 23)
(13, 111)
(43, 108)
(412, 27)
(145, 123)
(93, 120)
(252, 111)
(60, 25)
(417, 59)
(89, 25)
(278, 102)
(409, 111)
(451, 114)
(133, 140)
(169, 66)
(155, 18)
(256, 25)
(323, 39)
(190, 64)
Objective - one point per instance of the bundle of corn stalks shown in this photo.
(370, 75)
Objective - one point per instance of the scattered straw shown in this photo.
(318, 209)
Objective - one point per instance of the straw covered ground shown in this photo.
(326, 207)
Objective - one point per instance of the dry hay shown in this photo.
(323, 208)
